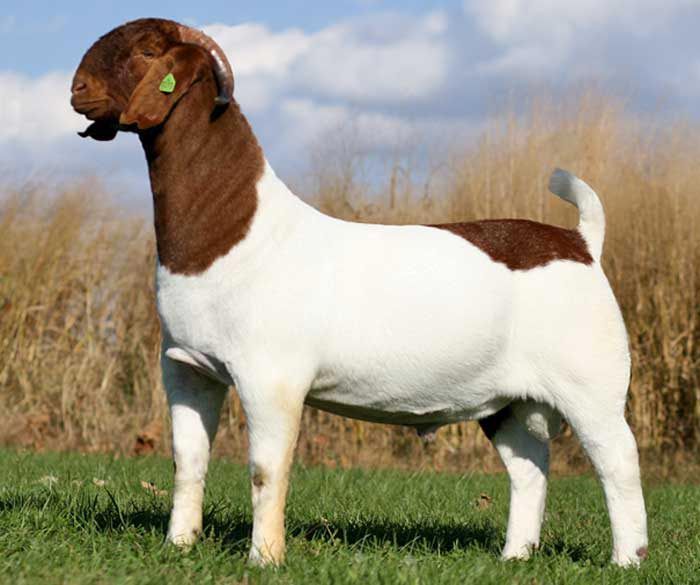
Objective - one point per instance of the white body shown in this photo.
(411, 325)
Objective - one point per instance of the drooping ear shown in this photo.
(166, 81)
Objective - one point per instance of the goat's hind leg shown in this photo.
(195, 404)
(608, 441)
(527, 461)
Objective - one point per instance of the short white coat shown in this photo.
(398, 324)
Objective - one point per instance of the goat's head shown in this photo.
(125, 80)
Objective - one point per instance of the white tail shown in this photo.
(592, 217)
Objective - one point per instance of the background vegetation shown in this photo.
(79, 335)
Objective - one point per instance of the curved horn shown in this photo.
(222, 68)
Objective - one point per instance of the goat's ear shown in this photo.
(165, 82)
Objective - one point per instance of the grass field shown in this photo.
(95, 519)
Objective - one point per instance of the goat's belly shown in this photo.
(409, 398)
(429, 418)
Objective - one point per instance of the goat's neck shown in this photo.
(203, 169)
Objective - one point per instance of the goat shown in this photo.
(508, 322)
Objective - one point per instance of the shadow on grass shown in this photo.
(232, 528)
(578, 553)
(234, 535)
(425, 536)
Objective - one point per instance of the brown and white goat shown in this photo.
(509, 322)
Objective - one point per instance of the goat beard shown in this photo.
(102, 130)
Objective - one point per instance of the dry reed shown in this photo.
(79, 334)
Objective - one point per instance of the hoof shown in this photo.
(268, 558)
(522, 553)
(183, 541)
(633, 560)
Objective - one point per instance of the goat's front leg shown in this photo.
(195, 404)
(273, 413)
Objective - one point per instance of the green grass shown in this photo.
(57, 525)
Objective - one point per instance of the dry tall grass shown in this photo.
(79, 336)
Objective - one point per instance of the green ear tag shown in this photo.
(168, 84)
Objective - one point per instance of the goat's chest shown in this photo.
(222, 318)
(200, 314)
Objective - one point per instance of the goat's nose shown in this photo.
(78, 86)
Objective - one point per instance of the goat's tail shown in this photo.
(592, 217)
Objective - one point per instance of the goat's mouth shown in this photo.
(92, 109)
(105, 124)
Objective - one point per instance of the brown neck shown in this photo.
(203, 167)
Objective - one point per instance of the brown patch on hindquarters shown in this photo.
(522, 244)
(642, 552)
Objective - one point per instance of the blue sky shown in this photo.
(39, 36)
(388, 73)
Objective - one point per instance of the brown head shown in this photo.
(188, 129)
(118, 81)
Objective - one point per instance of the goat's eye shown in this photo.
(148, 54)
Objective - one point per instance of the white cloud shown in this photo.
(308, 126)
(311, 121)
(397, 79)
(254, 49)
(260, 58)
(523, 61)
(36, 111)
(306, 120)
(38, 138)
(512, 21)
(344, 64)
(436, 22)
(538, 36)
(351, 61)
(304, 83)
